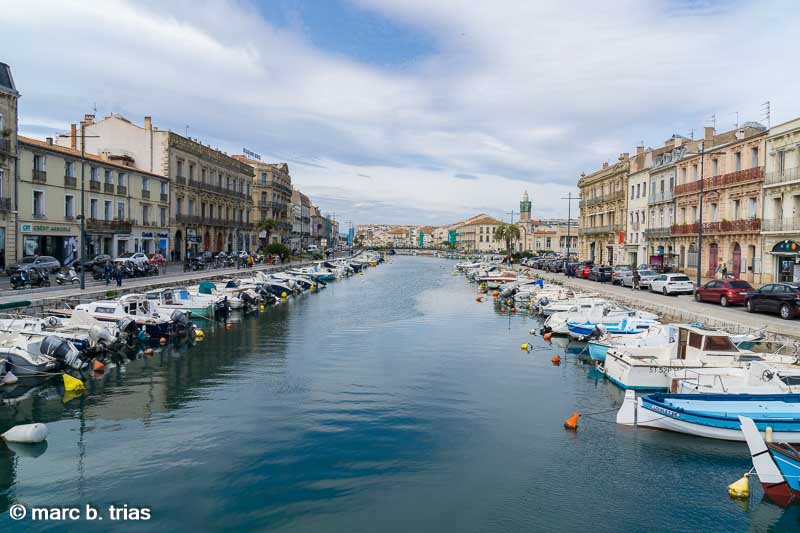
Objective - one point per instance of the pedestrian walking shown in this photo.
(107, 270)
(118, 274)
(636, 279)
(724, 271)
(602, 276)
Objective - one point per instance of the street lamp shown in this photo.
(700, 220)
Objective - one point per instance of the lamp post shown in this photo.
(700, 220)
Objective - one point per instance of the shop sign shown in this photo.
(162, 235)
(40, 228)
(147, 234)
(786, 247)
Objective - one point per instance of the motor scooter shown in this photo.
(67, 275)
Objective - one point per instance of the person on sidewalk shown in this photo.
(636, 278)
(118, 274)
(724, 271)
(602, 276)
(107, 270)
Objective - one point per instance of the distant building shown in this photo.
(603, 208)
(272, 195)
(9, 98)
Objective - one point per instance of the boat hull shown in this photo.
(597, 351)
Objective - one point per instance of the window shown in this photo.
(93, 208)
(263, 198)
(203, 175)
(163, 216)
(39, 163)
(644, 189)
(38, 204)
(164, 188)
(694, 172)
(69, 206)
(107, 216)
(737, 161)
(191, 171)
(736, 210)
(714, 212)
(263, 178)
(719, 343)
(683, 175)
(219, 180)
(777, 204)
(1, 121)
(781, 161)
(108, 177)
(694, 213)
(695, 340)
(146, 184)
(146, 214)
(638, 190)
(120, 210)
(714, 167)
(179, 206)
(94, 174)
(632, 189)
(191, 207)
(121, 179)
(69, 169)
(683, 215)
(753, 210)
(180, 168)
(202, 209)
(754, 157)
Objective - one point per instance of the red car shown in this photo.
(583, 271)
(724, 291)
(157, 259)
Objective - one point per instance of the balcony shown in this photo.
(70, 181)
(187, 219)
(114, 226)
(660, 196)
(94, 185)
(180, 180)
(723, 180)
(659, 232)
(613, 197)
(281, 187)
(749, 225)
(164, 197)
(6, 205)
(597, 230)
(145, 194)
(39, 175)
(108, 187)
(217, 189)
(40, 216)
(122, 190)
(780, 224)
(5, 145)
(782, 176)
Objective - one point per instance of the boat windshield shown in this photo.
(719, 343)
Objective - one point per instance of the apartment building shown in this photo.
(121, 213)
(603, 209)
(272, 198)
(9, 98)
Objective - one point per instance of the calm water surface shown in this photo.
(388, 402)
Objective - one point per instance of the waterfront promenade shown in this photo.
(682, 308)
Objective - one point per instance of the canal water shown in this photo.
(387, 402)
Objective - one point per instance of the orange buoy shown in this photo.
(513, 309)
(148, 351)
(547, 335)
(572, 422)
(496, 293)
(228, 326)
(162, 341)
(97, 366)
(556, 360)
(478, 299)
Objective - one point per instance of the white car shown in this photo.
(672, 284)
(138, 258)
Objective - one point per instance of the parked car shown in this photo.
(645, 277)
(584, 270)
(781, 298)
(723, 291)
(99, 259)
(668, 284)
(600, 274)
(617, 271)
(42, 262)
(137, 257)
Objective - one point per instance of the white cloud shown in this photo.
(515, 92)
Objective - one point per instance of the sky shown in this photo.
(410, 111)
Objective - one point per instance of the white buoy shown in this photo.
(26, 434)
(9, 378)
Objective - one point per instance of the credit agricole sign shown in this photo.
(42, 228)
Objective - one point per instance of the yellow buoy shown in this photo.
(740, 488)
(72, 384)
(283, 296)
(261, 308)
(768, 433)
(313, 287)
(525, 347)
(199, 334)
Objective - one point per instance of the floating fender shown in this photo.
(556, 360)
(9, 379)
(547, 335)
(26, 434)
(162, 341)
(572, 422)
(740, 488)
(97, 366)
(72, 384)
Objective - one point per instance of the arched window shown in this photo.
(691, 259)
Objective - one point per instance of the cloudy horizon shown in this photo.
(409, 112)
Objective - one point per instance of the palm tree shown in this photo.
(267, 225)
(508, 233)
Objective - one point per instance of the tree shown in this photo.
(267, 225)
(508, 233)
(280, 250)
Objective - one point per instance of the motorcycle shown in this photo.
(25, 278)
(67, 275)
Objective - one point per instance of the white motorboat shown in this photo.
(137, 308)
(550, 307)
(32, 354)
(695, 349)
(597, 312)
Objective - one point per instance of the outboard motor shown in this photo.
(179, 319)
(64, 351)
(598, 332)
(247, 298)
(101, 336)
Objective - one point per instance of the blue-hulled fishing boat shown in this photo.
(715, 416)
(626, 326)
(777, 464)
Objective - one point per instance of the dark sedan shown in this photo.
(600, 274)
(781, 298)
(44, 262)
(723, 291)
(98, 260)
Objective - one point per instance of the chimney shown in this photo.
(88, 119)
(639, 150)
(623, 156)
(148, 122)
(73, 136)
(708, 136)
(50, 141)
(678, 142)
(605, 164)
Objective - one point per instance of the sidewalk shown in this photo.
(683, 308)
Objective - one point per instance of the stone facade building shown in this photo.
(9, 98)
(781, 221)
(733, 171)
(210, 193)
(272, 197)
(603, 208)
